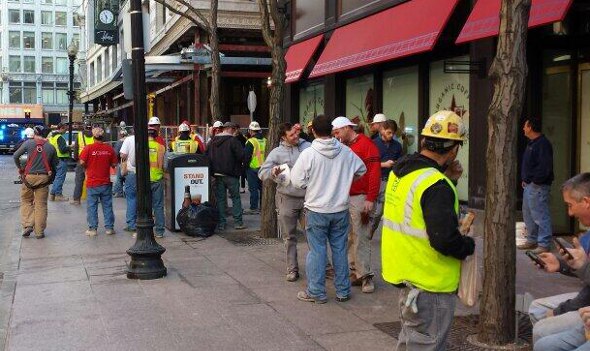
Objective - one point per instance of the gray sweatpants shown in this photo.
(290, 210)
(79, 181)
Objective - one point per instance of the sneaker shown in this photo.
(74, 202)
(159, 235)
(292, 276)
(91, 232)
(130, 230)
(343, 298)
(540, 249)
(61, 198)
(51, 197)
(240, 226)
(304, 296)
(368, 286)
(527, 246)
(109, 232)
(40, 236)
(27, 231)
(251, 211)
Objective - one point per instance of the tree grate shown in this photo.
(248, 239)
(463, 326)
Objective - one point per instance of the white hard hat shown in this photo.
(217, 124)
(122, 124)
(29, 133)
(183, 128)
(379, 118)
(154, 120)
(341, 122)
(254, 126)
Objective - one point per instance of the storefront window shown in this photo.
(311, 103)
(450, 91)
(348, 6)
(309, 16)
(400, 103)
(360, 99)
(585, 116)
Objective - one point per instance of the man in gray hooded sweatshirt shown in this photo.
(289, 200)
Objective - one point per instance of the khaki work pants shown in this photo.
(33, 207)
(359, 244)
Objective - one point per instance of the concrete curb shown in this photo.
(8, 287)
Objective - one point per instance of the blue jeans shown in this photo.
(158, 206)
(543, 325)
(254, 187)
(131, 198)
(60, 177)
(103, 194)
(323, 228)
(536, 214)
(572, 339)
(222, 185)
(118, 186)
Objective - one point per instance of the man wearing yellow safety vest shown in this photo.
(156, 157)
(421, 245)
(84, 138)
(254, 158)
(63, 154)
(184, 143)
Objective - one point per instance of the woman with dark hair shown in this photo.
(289, 200)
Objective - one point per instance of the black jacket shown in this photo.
(438, 207)
(537, 162)
(226, 155)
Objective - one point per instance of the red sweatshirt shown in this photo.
(370, 182)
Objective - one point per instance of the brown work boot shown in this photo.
(354, 281)
(74, 202)
(51, 197)
(60, 198)
(527, 246)
(368, 286)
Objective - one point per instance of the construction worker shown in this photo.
(63, 154)
(84, 138)
(156, 157)
(254, 152)
(154, 123)
(183, 143)
(422, 247)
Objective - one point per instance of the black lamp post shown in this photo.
(146, 253)
(72, 52)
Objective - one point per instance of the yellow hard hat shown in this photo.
(445, 125)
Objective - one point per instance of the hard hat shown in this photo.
(217, 124)
(29, 132)
(154, 121)
(341, 122)
(122, 124)
(254, 126)
(445, 125)
(184, 128)
(379, 118)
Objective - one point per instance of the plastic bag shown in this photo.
(198, 220)
(468, 288)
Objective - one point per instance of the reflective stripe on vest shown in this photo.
(185, 146)
(53, 141)
(405, 247)
(83, 140)
(156, 173)
(258, 152)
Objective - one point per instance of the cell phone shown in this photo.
(533, 256)
(563, 245)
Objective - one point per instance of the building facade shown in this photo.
(34, 39)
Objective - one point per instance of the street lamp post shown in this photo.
(146, 253)
(72, 52)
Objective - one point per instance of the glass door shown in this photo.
(584, 119)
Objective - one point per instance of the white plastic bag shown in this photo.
(284, 178)
(468, 288)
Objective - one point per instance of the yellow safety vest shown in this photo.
(156, 173)
(258, 152)
(406, 253)
(185, 146)
(53, 141)
(83, 140)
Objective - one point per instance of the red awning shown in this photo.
(298, 57)
(403, 30)
(484, 20)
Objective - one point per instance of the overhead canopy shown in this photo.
(406, 29)
(298, 57)
(484, 20)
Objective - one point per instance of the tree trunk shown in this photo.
(508, 73)
(215, 64)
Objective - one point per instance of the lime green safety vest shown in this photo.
(53, 141)
(406, 253)
(258, 152)
(185, 146)
(156, 173)
(83, 140)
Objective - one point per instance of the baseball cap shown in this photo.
(254, 126)
(217, 124)
(230, 125)
(379, 118)
(154, 120)
(29, 132)
(341, 122)
(97, 132)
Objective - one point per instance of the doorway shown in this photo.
(584, 121)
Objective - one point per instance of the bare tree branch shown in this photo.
(186, 14)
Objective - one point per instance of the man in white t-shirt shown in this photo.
(127, 154)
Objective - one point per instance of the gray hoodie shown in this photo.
(326, 170)
(284, 153)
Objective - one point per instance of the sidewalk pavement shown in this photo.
(69, 292)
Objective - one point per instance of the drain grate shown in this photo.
(463, 326)
(249, 239)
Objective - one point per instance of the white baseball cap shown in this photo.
(154, 120)
(217, 124)
(341, 122)
(254, 126)
(379, 118)
(29, 133)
